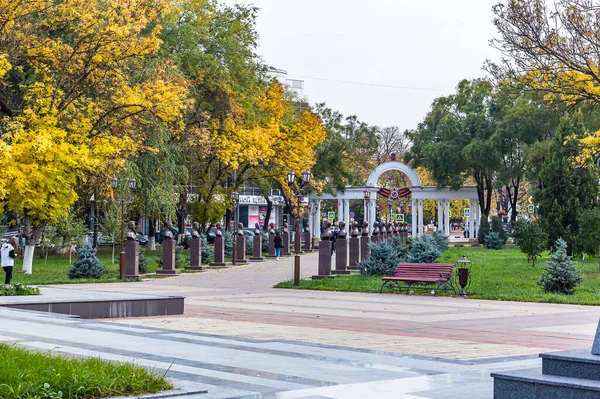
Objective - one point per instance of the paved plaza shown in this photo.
(240, 338)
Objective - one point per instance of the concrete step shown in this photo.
(532, 384)
(574, 363)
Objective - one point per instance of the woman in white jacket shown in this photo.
(7, 259)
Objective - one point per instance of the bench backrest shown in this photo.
(425, 269)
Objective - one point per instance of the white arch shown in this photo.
(393, 165)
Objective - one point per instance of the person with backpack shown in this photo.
(278, 243)
(7, 259)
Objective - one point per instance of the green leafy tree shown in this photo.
(87, 264)
(72, 230)
(560, 274)
(531, 238)
(455, 143)
(588, 239)
(567, 187)
(110, 226)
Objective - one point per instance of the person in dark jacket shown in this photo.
(278, 243)
(334, 237)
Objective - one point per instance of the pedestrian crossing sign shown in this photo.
(531, 209)
(400, 218)
(467, 212)
(331, 215)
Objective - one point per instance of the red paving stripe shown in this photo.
(397, 328)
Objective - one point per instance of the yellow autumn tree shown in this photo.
(94, 85)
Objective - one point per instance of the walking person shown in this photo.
(7, 259)
(278, 243)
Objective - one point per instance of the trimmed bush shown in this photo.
(560, 276)
(484, 229)
(87, 264)
(265, 241)
(423, 250)
(249, 245)
(382, 260)
(497, 227)
(19, 290)
(400, 246)
(228, 238)
(438, 239)
(493, 241)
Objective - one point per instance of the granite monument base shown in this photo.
(307, 242)
(341, 257)
(240, 250)
(219, 256)
(354, 253)
(286, 244)
(324, 261)
(271, 253)
(195, 255)
(168, 266)
(257, 249)
(132, 260)
(364, 247)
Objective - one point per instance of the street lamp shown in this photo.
(367, 196)
(235, 200)
(114, 184)
(298, 191)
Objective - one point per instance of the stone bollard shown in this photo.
(219, 257)
(132, 259)
(168, 268)
(195, 255)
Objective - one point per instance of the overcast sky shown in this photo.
(430, 44)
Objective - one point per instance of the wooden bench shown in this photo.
(424, 274)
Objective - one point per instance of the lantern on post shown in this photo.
(463, 271)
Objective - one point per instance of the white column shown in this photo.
(447, 217)
(471, 220)
(477, 217)
(420, 217)
(440, 217)
(318, 218)
(347, 214)
(373, 211)
(414, 218)
(340, 211)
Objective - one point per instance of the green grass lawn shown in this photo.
(499, 275)
(54, 270)
(32, 375)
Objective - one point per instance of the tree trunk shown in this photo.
(228, 220)
(96, 218)
(28, 259)
(113, 253)
(268, 214)
(151, 235)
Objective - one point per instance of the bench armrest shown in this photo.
(445, 275)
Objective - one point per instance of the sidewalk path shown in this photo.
(239, 302)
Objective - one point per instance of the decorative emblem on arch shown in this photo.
(393, 165)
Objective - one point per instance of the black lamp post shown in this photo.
(114, 184)
(367, 196)
(297, 189)
(235, 200)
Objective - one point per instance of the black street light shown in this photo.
(114, 184)
(367, 197)
(235, 200)
(298, 191)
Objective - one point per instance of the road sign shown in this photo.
(351, 220)
(331, 215)
(352, 214)
(400, 218)
(324, 215)
(531, 209)
(467, 212)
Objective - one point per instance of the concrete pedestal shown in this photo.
(324, 261)
(195, 255)
(364, 247)
(132, 259)
(168, 268)
(341, 257)
(271, 253)
(375, 238)
(257, 249)
(354, 252)
(307, 242)
(219, 259)
(240, 250)
(286, 244)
